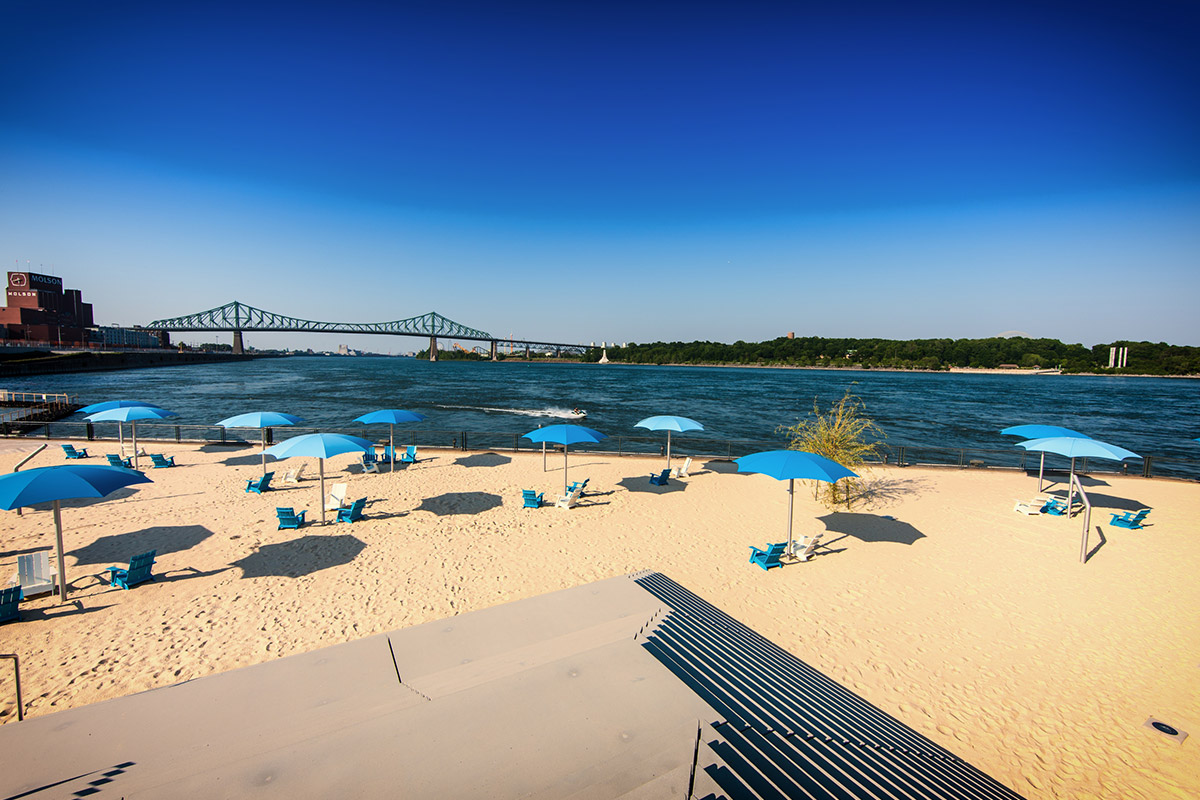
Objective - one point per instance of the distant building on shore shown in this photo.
(39, 312)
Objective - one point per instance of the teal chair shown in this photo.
(389, 455)
(259, 485)
(409, 456)
(532, 499)
(73, 453)
(115, 460)
(159, 461)
(353, 513)
(1130, 520)
(577, 485)
(661, 478)
(137, 572)
(9, 600)
(767, 558)
(289, 518)
(1055, 506)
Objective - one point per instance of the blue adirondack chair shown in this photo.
(767, 558)
(409, 456)
(354, 512)
(389, 455)
(73, 453)
(9, 600)
(577, 485)
(289, 518)
(160, 461)
(115, 460)
(1130, 520)
(1055, 506)
(531, 498)
(259, 485)
(661, 478)
(137, 572)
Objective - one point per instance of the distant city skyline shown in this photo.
(613, 171)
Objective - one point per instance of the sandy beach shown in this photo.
(933, 600)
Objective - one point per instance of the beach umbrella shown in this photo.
(264, 420)
(668, 424)
(1042, 432)
(566, 435)
(63, 482)
(392, 416)
(131, 414)
(1075, 447)
(109, 405)
(320, 446)
(793, 465)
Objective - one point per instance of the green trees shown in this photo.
(843, 435)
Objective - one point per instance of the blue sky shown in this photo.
(614, 171)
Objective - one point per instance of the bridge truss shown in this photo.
(238, 317)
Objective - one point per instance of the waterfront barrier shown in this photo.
(698, 447)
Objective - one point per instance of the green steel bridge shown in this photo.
(238, 317)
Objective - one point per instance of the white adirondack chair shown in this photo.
(682, 472)
(293, 475)
(34, 574)
(805, 547)
(569, 500)
(337, 497)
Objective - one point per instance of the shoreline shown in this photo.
(950, 371)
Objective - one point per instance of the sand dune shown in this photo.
(975, 625)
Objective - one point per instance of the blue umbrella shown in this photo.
(566, 435)
(1073, 448)
(108, 405)
(261, 419)
(131, 414)
(320, 446)
(668, 424)
(64, 482)
(392, 416)
(793, 465)
(1042, 432)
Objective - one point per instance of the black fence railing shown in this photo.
(619, 445)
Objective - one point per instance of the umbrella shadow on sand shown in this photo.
(642, 485)
(302, 556)
(445, 505)
(723, 467)
(119, 547)
(483, 460)
(870, 527)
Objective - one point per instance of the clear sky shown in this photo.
(620, 171)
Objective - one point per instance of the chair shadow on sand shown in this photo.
(119, 547)
(451, 503)
(871, 527)
(302, 556)
(483, 460)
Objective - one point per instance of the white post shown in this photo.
(58, 541)
(321, 467)
(791, 497)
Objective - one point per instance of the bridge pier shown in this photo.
(238, 349)
(526, 352)
(495, 352)
(433, 353)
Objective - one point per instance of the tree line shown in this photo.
(1145, 358)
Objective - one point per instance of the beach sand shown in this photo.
(974, 625)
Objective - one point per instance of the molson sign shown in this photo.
(32, 280)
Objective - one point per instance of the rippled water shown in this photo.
(1152, 416)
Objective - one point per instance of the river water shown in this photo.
(1157, 417)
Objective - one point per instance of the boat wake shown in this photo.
(550, 411)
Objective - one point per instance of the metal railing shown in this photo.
(618, 445)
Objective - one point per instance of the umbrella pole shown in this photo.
(565, 492)
(58, 542)
(264, 450)
(1041, 469)
(668, 449)
(1071, 488)
(321, 467)
(392, 445)
(791, 498)
(121, 438)
(135, 458)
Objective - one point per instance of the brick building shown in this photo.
(38, 309)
